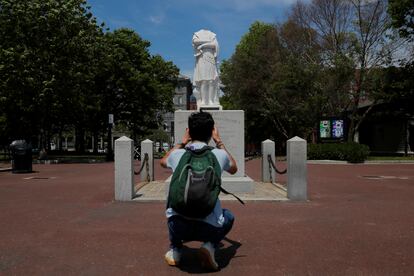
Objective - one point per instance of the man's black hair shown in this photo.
(200, 126)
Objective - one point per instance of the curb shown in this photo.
(368, 162)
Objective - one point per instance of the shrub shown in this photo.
(351, 152)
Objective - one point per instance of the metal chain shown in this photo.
(144, 162)
(269, 158)
(147, 167)
(270, 172)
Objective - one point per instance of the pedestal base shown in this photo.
(231, 184)
(209, 107)
(238, 184)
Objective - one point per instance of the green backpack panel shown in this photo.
(195, 184)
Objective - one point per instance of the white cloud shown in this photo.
(243, 5)
(238, 5)
(157, 19)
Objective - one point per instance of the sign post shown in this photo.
(109, 153)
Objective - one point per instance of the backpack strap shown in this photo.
(202, 151)
(228, 193)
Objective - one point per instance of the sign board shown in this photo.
(331, 129)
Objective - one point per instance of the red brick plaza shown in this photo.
(62, 220)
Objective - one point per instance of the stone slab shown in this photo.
(158, 191)
(231, 184)
(230, 124)
(238, 184)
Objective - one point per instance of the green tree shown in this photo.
(354, 39)
(272, 77)
(137, 87)
(45, 64)
(402, 14)
(245, 77)
(59, 71)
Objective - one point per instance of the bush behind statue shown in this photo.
(351, 152)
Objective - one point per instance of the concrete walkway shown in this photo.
(62, 220)
(157, 191)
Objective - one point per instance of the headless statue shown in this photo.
(206, 78)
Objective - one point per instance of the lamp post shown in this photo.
(109, 153)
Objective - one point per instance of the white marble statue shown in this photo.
(206, 78)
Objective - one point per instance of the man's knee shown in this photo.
(228, 216)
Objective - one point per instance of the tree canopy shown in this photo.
(59, 70)
(322, 61)
(402, 14)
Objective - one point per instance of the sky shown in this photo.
(169, 24)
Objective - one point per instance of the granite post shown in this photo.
(296, 169)
(147, 147)
(268, 148)
(124, 170)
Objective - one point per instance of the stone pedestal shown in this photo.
(124, 169)
(297, 187)
(268, 148)
(147, 148)
(230, 124)
(209, 108)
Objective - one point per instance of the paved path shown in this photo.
(62, 220)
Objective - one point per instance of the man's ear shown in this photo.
(187, 131)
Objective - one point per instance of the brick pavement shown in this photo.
(62, 220)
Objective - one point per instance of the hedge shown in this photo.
(351, 152)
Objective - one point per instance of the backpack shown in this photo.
(196, 184)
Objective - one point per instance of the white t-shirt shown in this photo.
(216, 217)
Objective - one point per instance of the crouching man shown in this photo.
(193, 210)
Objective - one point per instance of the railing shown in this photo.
(272, 165)
(296, 168)
(145, 163)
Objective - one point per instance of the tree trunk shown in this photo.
(80, 139)
(60, 146)
(95, 141)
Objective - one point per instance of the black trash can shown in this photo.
(21, 153)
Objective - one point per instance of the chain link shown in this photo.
(147, 167)
(270, 171)
(269, 159)
(144, 163)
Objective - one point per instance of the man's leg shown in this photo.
(212, 236)
(218, 234)
(179, 230)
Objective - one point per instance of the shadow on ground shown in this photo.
(190, 261)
